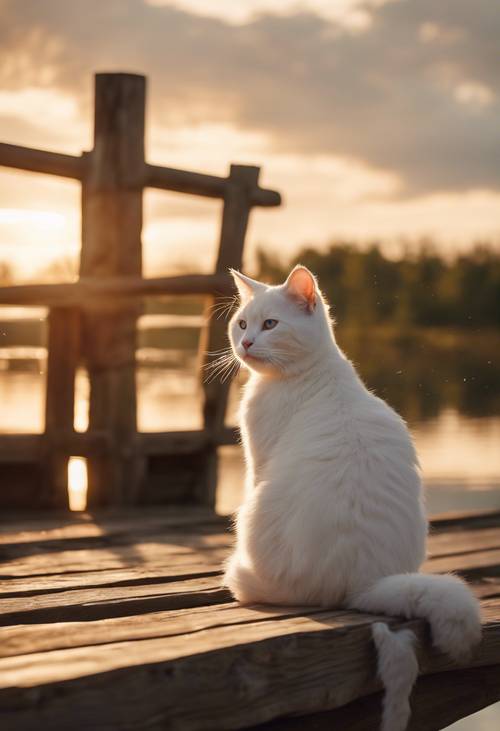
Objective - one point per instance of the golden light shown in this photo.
(77, 483)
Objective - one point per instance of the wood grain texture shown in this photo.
(128, 637)
(105, 602)
(455, 543)
(460, 693)
(111, 246)
(136, 522)
(154, 554)
(292, 665)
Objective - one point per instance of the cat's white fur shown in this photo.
(333, 513)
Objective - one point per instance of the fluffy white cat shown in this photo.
(333, 513)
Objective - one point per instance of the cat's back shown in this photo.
(332, 412)
(341, 485)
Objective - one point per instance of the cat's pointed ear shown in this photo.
(246, 287)
(301, 285)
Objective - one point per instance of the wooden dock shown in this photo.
(92, 323)
(121, 623)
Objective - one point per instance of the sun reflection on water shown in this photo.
(77, 483)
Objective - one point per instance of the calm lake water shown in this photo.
(460, 454)
(447, 387)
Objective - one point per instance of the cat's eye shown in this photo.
(269, 324)
(243, 324)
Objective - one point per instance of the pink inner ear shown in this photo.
(301, 284)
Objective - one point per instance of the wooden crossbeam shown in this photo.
(41, 161)
(210, 186)
(155, 176)
(87, 290)
(27, 448)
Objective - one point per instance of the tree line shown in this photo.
(420, 288)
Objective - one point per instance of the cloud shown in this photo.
(415, 93)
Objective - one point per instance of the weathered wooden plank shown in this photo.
(456, 542)
(129, 576)
(104, 553)
(485, 587)
(44, 637)
(105, 602)
(460, 520)
(130, 522)
(243, 665)
(140, 576)
(100, 550)
(210, 186)
(27, 639)
(296, 665)
(437, 701)
(173, 541)
(468, 565)
(139, 520)
(153, 555)
(41, 161)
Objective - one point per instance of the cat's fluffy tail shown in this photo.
(453, 614)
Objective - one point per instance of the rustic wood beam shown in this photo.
(153, 176)
(20, 448)
(437, 701)
(210, 186)
(183, 442)
(89, 290)
(243, 179)
(41, 161)
(111, 247)
(235, 216)
(62, 361)
(28, 448)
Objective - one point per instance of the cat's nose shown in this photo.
(247, 343)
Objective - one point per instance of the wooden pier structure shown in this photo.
(120, 622)
(94, 322)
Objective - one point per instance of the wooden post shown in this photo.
(63, 354)
(242, 182)
(111, 246)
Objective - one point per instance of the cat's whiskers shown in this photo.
(218, 362)
(221, 366)
(223, 306)
(232, 371)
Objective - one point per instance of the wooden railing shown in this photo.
(93, 322)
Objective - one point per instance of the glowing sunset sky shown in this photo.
(373, 118)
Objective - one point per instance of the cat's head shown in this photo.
(279, 330)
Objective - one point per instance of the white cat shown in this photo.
(333, 513)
